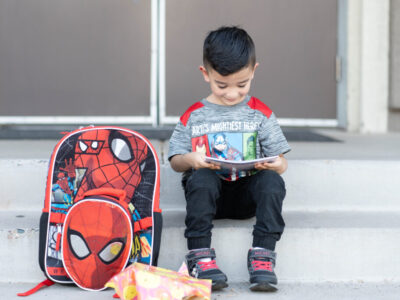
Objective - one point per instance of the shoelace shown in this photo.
(207, 265)
(262, 265)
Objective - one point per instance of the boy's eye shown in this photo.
(222, 87)
(241, 86)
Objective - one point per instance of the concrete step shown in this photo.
(342, 212)
(235, 291)
(320, 185)
(312, 185)
(316, 247)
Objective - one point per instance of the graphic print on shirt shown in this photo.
(228, 146)
(200, 144)
(249, 145)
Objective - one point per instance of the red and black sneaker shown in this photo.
(261, 264)
(206, 269)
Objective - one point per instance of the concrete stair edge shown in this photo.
(353, 248)
(311, 185)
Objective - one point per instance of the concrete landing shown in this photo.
(235, 291)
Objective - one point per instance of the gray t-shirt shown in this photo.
(244, 131)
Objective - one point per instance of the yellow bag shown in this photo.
(144, 282)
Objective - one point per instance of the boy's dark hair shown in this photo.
(228, 50)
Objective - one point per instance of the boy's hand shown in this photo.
(279, 165)
(197, 161)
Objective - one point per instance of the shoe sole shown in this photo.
(218, 285)
(262, 287)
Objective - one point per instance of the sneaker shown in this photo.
(206, 269)
(261, 264)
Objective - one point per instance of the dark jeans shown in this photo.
(209, 197)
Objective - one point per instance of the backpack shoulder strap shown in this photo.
(44, 283)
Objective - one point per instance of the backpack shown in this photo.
(101, 209)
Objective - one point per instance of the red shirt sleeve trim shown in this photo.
(185, 117)
(256, 104)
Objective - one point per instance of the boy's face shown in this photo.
(230, 89)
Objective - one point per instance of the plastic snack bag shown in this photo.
(144, 282)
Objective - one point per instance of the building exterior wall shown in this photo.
(352, 67)
(368, 66)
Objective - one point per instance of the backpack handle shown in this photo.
(116, 193)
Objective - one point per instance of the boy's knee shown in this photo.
(203, 178)
(270, 181)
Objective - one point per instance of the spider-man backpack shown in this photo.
(101, 209)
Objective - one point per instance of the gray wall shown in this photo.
(92, 57)
(295, 45)
(75, 57)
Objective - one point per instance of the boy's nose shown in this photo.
(231, 95)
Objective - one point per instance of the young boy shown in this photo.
(229, 124)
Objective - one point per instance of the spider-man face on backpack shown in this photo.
(111, 159)
(96, 242)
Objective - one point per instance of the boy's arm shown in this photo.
(195, 160)
(273, 141)
(279, 165)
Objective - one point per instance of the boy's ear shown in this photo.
(254, 69)
(205, 73)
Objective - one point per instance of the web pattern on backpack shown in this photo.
(110, 158)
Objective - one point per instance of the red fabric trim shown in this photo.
(58, 242)
(116, 296)
(142, 224)
(117, 193)
(44, 283)
(185, 117)
(57, 218)
(256, 104)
